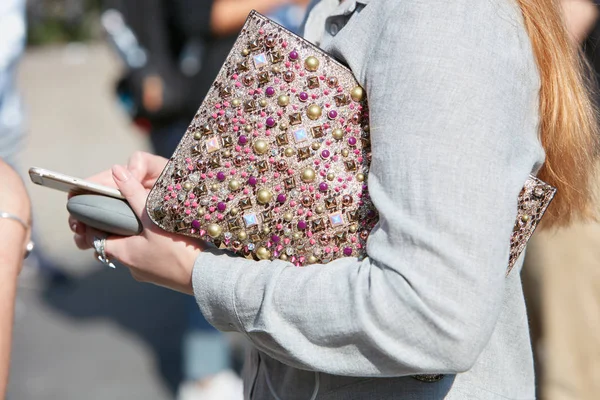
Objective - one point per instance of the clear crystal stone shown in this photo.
(287, 231)
(250, 246)
(227, 235)
(204, 202)
(289, 251)
(229, 114)
(181, 196)
(195, 177)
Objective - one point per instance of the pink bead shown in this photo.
(360, 203)
(264, 179)
(337, 189)
(340, 89)
(187, 203)
(238, 84)
(174, 195)
(261, 31)
(302, 188)
(322, 173)
(327, 250)
(326, 92)
(242, 121)
(232, 172)
(276, 175)
(353, 239)
(226, 103)
(328, 142)
(309, 233)
(318, 195)
(311, 188)
(188, 160)
(356, 151)
(284, 44)
(207, 217)
(336, 249)
(293, 90)
(219, 216)
(286, 241)
(234, 76)
(202, 232)
(227, 164)
(210, 174)
(279, 226)
(234, 120)
(309, 214)
(214, 198)
(178, 186)
(276, 209)
(222, 112)
(251, 92)
(335, 158)
(188, 212)
(218, 105)
(195, 205)
(352, 106)
(317, 162)
(214, 115)
(167, 198)
(246, 191)
(203, 176)
(349, 178)
(359, 246)
(192, 196)
(278, 187)
(268, 132)
(238, 148)
(312, 241)
(244, 174)
(327, 166)
(340, 180)
(236, 128)
(263, 114)
(297, 66)
(359, 195)
(212, 208)
(247, 150)
(345, 186)
(230, 197)
(314, 96)
(292, 203)
(271, 160)
(170, 188)
(290, 171)
(255, 134)
(300, 211)
(360, 159)
(280, 112)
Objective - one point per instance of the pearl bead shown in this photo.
(288, 216)
(262, 103)
(242, 235)
(201, 212)
(337, 134)
(288, 152)
(357, 93)
(283, 126)
(197, 135)
(353, 229)
(345, 152)
(320, 209)
(187, 186)
(330, 176)
(312, 259)
(311, 63)
(313, 111)
(276, 70)
(236, 102)
(214, 188)
(266, 229)
(316, 145)
(525, 218)
(283, 257)
(308, 175)
(260, 146)
(263, 253)
(234, 211)
(245, 52)
(283, 100)
(234, 184)
(227, 153)
(214, 230)
(360, 177)
(264, 196)
(297, 235)
(248, 128)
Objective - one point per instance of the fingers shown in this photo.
(145, 166)
(131, 188)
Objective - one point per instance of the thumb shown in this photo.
(131, 188)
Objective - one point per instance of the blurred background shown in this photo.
(80, 90)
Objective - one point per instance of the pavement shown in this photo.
(98, 334)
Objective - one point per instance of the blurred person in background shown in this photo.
(175, 50)
(561, 276)
(15, 222)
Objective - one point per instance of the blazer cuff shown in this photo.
(214, 279)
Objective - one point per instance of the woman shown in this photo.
(460, 114)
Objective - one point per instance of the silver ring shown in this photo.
(100, 247)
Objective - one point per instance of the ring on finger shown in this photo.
(100, 247)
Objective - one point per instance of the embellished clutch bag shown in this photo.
(275, 162)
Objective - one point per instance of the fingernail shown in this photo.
(74, 227)
(120, 173)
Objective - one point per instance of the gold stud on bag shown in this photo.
(275, 163)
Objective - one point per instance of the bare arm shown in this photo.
(13, 237)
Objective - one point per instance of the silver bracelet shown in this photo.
(30, 245)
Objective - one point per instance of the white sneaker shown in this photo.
(225, 385)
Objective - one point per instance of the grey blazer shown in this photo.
(453, 94)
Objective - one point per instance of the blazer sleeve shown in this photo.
(451, 95)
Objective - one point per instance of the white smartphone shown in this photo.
(70, 184)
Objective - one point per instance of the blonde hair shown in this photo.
(568, 124)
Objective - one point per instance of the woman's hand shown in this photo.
(153, 256)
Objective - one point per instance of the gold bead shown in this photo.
(245, 52)
(214, 187)
(236, 102)
(288, 216)
(360, 177)
(187, 186)
(525, 218)
(263, 253)
(312, 259)
(283, 126)
(320, 209)
(345, 152)
(242, 235)
(283, 100)
(338, 134)
(313, 111)
(266, 230)
(262, 103)
(311, 63)
(308, 175)
(260, 146)
(234, 184)
(297, 235)
(234, 211)
(288, 152)
(248, 128)
(276, 70)
(357, 93)
(264, 196)
(316, 145)
(197, 135)
(227, 153)
(214, 230)
(283, 257)
(330, 176)
(353, 229)
(201, 212)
